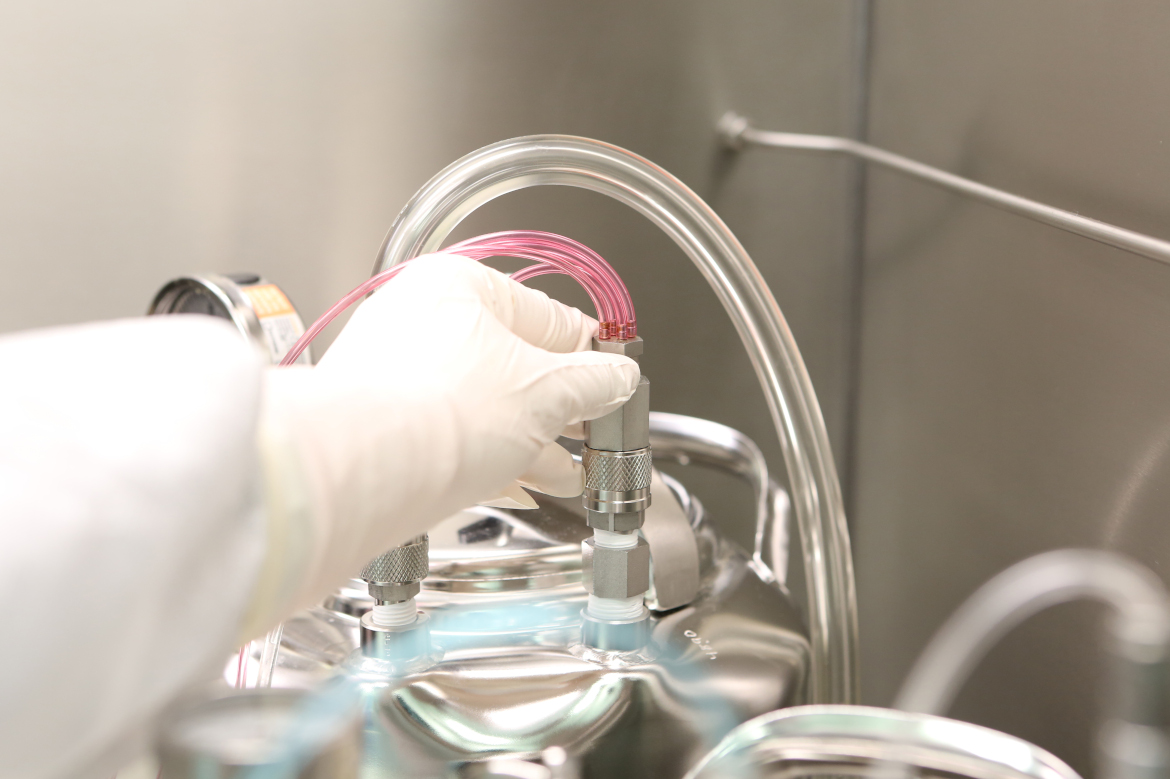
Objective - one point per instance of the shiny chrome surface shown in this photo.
(611, 572)
(865, 741)
(230, 735)
(223, 296)
(736, 132)
(687, 440)
(408, 646)
(394, 575)
(517, 164)
(508, 671)
(674, 564)
(617, 482)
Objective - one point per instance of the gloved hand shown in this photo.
(447, 385)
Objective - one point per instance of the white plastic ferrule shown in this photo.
(393, 615)
(612, 540)
(616, 609)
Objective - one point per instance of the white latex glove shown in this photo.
(132, 530)
(448, 385)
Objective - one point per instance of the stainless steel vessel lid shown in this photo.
(491, 550)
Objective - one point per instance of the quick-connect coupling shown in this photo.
(618, 471)
(617, 482)
(394, 579)
(616, 456)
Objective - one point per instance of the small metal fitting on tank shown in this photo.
(611, 572)
(618, 468)
(395, 629)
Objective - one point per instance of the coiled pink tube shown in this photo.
(552, 253)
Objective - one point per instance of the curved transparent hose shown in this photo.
(504, 167)
(1142, 616)
(1132, 742)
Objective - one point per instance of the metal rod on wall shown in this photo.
(736, 133)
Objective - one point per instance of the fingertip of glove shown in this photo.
(511, 497)
(630, 372)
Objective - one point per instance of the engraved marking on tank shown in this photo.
(702, 644)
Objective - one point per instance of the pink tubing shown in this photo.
(552, 254)
(557, 254)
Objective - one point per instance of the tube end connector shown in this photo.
(628, 347)
(731, 130)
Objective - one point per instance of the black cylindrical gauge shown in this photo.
(258, 308)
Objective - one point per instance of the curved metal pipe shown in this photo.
(508, 166)
(736, 132)
(694, 441)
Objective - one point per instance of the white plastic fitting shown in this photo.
(393, 615)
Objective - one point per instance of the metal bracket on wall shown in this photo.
(737, 133)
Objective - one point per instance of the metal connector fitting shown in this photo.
(394, 577)
(626, 428)
(393, 593)
(631, 348)
(617, 482)
(615, 636)
(399, 643)
(615, 573)
(615, 523)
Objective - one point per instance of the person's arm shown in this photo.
(131, 529)
(163, 497)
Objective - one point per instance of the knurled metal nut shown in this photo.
(407, 563)
(617, 471)
(616, 573)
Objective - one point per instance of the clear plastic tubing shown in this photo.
(1141, 617)
(552, 254)
(505, 167)
(268, 653)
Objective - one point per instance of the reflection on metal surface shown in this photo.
(674, 553)
(687, 440)
(259, 309)
(509, 674)
(865, 741)
(736, 132)
(261, 733)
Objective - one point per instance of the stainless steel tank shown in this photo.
(502, 669)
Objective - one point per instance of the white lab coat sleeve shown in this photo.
(131, 530)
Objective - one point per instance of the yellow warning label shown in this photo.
(268, 300)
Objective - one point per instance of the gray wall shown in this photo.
(141, 140)
(1014, 379)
